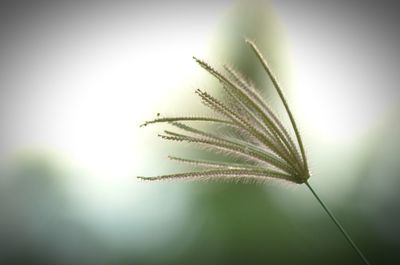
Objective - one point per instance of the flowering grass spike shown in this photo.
(260, 145)
(266, 152)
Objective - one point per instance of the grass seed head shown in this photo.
(267, 152)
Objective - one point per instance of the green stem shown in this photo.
(345, 234)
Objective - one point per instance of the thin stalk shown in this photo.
(345, 234)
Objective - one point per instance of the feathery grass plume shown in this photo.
(259, 142)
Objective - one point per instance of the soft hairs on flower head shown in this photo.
(260, 143)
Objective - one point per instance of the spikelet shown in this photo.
(259, 142)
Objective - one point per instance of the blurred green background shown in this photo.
(68, 192)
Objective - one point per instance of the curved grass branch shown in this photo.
(278, 89)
